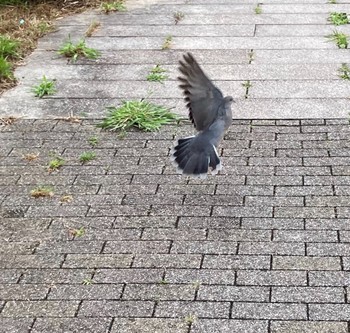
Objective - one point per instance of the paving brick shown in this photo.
(144, 222)
(56, 211)
(15, 324)
(233, 293)
(208, 222)
(343, 212)
(309, 171)
(320, 161)
(310, 236)
(93, 291)
(328, 249)
(135, 199)
(342, 190)
(55, 276)
(213, 200)
(308, 294)
(154, 325)
(344, 236)
(306, 263)
(227, 326)
(139, 189)
(119, 210)
(327, 224)
(239, 235)
(110, 308)
(273, 201)
(303, 190)
(10, 275)
(159, 292)
(308, 327)
(171, 234)
(329, 311)
(97, 261)
(167, 261)
(278, 248)
(23, 292)
(304, 212)
(269, 311)
(274, 180)
(329, 278)
(276, 144)
(18, 247)
(177, 210)
(236, 211)
(244, 190)
(196, 308)
(184, 189)
(20, 309)
(346, 263)
(272, 223)
(30, 261)
(236, 262)
(137, 247)
(233, 169)
(274, 278)
(202, 276)
(204, 247)
(75, 246)
(130, 275)
(57, 325)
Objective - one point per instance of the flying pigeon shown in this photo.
(211, 115)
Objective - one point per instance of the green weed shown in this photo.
(5, 70)
(116, 6)
(42, 191)
(340, 38)
(77, 232)
(87, 156)
(157, 74)
(93, 141)
(178, 16)
(87, 282)
(74, 51)
(338, 18)
(258, 10)
(8, 47)
(45, 87)
(56, 163)
(344, 72)
(140, 114)
(167, 42)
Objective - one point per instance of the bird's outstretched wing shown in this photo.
(202, 97)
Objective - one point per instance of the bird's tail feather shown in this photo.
(195, 162)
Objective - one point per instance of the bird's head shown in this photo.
(229, 100)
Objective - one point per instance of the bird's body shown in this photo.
(211, 115)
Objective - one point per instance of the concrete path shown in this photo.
(124, 245)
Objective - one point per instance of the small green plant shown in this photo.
(338, 18)
(42, 191)
(140, 114)
(87, 282)
(8, 47)
(163, 281)
(340, 38)
(92, 28)
(66, 198)
(115, 6)
(5, 69)
(332, 2)
(157, 74)
(45, 87)
(250, 56)
(93, 141)
(167, 42)
(77, 232)
(344, 72)
(56, 163)
(87, 156)
(258, 9)
(247, 85)
(74, 51)
(190, 319)
(178, 16)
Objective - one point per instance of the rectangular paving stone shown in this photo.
(20, 309)
(197, 308)
(144, 222)
(329, 311)
(137, 247)
(237, 211)
(159, 292)
(303, 8)
(227, 326)
(319, 161)
(310, 236)
(328, 249)
(23, 292)
(303, 171)
(274, 278)
(212, 200)
(202, 276)
(273, 201)
(184, 189)
(23, 261)
(274, 180)
(208, 222)
(93, 291)
(269, 311)
(129, 275)
(119, 210)
(328, 201)
(306, 263)
(154, 325)
(10, 275)
(56, 211)
(111, 308)
(57, 325)
(204, 247)
(174, 234)
(17, 247)
(55, 276)
(303, 190)
(244, 189)
(97, 261)
(76, 246)
(308, 327)
(239, 235)
(329, 278)
(272, 223)
(233, 293)
(308, 294)
(177, 210)
(236, 262)
(327, 224)
(305, 212)
(278, 248)
(167, 261)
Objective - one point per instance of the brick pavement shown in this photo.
(262, 247)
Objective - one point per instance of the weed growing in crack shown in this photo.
(42, 191)
(339, 38)
(338, 18)
(93, 141)
(344, 72)
(167, 43)
(258, 9)
(74, 51)
(178, 16)
(56, 163)
(44, 88)
(87, 156)
(157, 74)
(115, 6)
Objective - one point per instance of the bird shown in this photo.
(211, 114)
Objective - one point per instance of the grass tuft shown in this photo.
(178, 16)
(87, 156)
(167, 42)
(141, 114)
(344, 72)
(56, 163)
(77, 232)
(41, 192)
(5, 70)
(45, 87)
(93, 141)
(340, 38)
(258, 10)
(8, 47)
(338, 18)
(115, 6)
(74, 51)
(157, 74)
